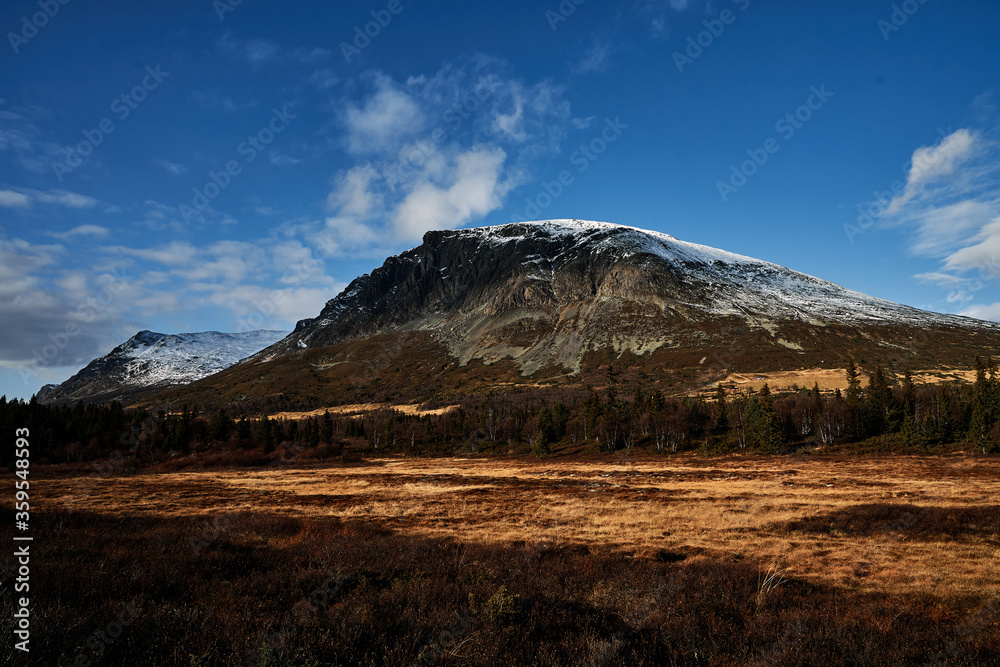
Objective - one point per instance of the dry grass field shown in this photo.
(596, 561)
(900, 524)
(828, 379)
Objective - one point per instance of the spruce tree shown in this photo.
(852, 398)
(722, 410)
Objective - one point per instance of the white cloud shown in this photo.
(940, 229)
(23, 198)
(930, 164)
(342, 234)
(656, 12)
(352, 195)
(951, 202)
(280, 160)
(383, 120)
(435, 151)
(597, 58)
(171, 167)
(308, 55)
(32, 149)
(474, 189)
(944, 279)
(984, 254)
(512, 124)
(216, 101)
(81, 230)
(175, 253)
(253, 51)
(324, 79)
(64, 198)
(11, 199)
(990, 312)
(260, 50)
(64, 317)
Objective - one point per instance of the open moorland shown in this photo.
(734, 560)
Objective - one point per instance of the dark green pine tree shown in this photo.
(852, 399)
(817, 397)
(544, 433)
(264, 434)
(985, 408)
(883, 411)
(909, 395)
(762, 423)
(722, 411)
(326, 431)
(591, 407)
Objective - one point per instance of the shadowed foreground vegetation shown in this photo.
(266, 590)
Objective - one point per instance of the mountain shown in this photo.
(556, 301)
(149, 361)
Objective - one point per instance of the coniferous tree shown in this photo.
(817, 399)
(985, 395)
(852, 398)
(882, 408)
(909, 395)
(326, 431)
(762, 423)
(722, 411)
(591, 407)
(544, 433)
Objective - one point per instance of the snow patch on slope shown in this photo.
(742, 286)
(150, 359)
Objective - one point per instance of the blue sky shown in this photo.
(201, 165)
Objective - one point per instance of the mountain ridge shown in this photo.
(150, 361)
(526, 305)
(573, 266)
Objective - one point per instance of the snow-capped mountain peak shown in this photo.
(151, 360)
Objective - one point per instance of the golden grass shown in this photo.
(830, 379)
(731, 508)
(362, 408)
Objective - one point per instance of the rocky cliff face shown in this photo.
(550, 292)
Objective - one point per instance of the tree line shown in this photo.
(889, 414)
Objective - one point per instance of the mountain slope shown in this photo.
(150, 361)
(512, 305)
(479, 289)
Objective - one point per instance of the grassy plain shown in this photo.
(603, 560)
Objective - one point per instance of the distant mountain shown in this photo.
(150, 361)
(554, 302)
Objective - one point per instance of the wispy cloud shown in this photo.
(25, 198)
(211, 100)
(384, 119)
(11, 199)
(657, 12)
(597, 58)
(94, 231)
(281, 160)
(951, 202)
(937, 165)
(252, 51)
(259, 52)
(32, 149)
(171, 167)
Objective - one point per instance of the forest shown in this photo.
(889, 414)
